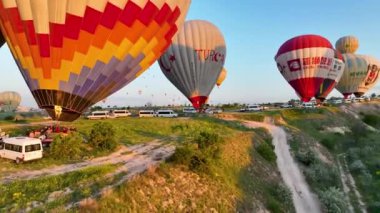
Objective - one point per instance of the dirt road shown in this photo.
(134, 159)
(304, 200)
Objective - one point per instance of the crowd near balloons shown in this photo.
(314, 68)
(74, 54)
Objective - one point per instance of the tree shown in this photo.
(334, 200)
(373, 95)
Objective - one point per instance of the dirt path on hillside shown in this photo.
(134, 158)
(304, 200)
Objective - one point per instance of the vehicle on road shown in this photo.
(286, 106)
(336, 101)
(254, 108)
(189, 110)
(21, 149)
(147, 113)
(166, 114)
(308, 105)
(121, 113)
(97, 115)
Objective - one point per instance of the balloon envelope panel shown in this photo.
(195, 59)
(75, 53)
(305, 62)
(2, 39)
(360, 75)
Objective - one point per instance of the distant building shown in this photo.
(9, 101)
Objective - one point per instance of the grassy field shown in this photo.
(238, 180)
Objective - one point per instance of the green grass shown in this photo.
(17, 194)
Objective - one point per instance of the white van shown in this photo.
(189, 110)
(254, 108)
(308, 105)
(121, 113)
(146, 114)
(166, 114)
(21, 149)
(99, 115)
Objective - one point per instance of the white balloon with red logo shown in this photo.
(195, 60)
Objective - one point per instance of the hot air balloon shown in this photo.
(347, 44)
(195, 59)
(332, 79)
(305, 62)
(221, 77)
(2, 40)
(75, 53)
(360, 75)
(9, 101)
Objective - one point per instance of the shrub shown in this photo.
(333, 200)
(357, 167)
(322, 175)
(102, 137)
(66, 147)
(199, 152)
(328, 143)
(372, 120)
(9, 118)
(307, 158)
(266, 152)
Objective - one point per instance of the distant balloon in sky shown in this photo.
(347, 44)
(221, 77)
(195, 59)
(360, 75)
(332, 79)
(2, 39)
(305, 62)
(75, 53)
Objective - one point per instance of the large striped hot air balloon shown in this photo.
(332, 78)
(347, 44)
(360, 75)
(222, 77)
(305, 62)
(2, 40)
(75, 53)
(9, 100)
(195, 59)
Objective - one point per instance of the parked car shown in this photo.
(147, 113)
(166, 114)
(337, 101)
(347, 101)
(189, 110)
(96, 115)
(286, 106)
(121, 113)
(217, 111)
(308, 105)
(360, 99)
(254, 108)
(21, 149)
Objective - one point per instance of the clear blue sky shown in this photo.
(254, 30)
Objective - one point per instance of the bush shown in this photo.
(307, 158)
(266, 151)
(66, 147)
(322, 175)
(333, 200)
(372, 120)
(199, 152)
(102, 137)
(9, 118)
(328, 143)
(357, 167)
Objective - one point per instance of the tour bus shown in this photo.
(146, 113)
(121, 113)
(166, 114)
(21, 149)
(99, 115)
